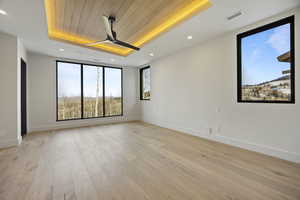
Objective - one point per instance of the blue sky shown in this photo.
(260, 52)
(69, 80)
(146, 79)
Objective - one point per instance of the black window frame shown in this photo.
(141, 83)
(288, 20)
(82, 97)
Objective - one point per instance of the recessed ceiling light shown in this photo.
(2, 12)
(61, 49)
(112, 60)
(189, 37)
(151, 54)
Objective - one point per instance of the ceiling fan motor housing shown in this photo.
(112, 18)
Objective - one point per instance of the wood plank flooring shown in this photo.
(138, 161)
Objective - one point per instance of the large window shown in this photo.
(266, 63)
(93, 91)
(113, 92)
(88, 91)
(69, 91)
(145, 89)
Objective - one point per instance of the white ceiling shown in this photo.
(27, 20)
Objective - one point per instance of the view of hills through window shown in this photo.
(76, 101)
(266, 65)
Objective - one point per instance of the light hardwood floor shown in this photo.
(136, 161)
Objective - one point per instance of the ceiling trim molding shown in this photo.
(178, 16)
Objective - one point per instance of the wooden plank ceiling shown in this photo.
(80, 21)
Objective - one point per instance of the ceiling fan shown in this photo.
(112, 35)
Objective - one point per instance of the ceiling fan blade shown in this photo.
(98, 42)
(124, 44)
(108, 27)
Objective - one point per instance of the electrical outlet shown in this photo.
(210, 130)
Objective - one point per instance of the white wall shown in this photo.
(8, 90)
(196, 89)
(42, 96)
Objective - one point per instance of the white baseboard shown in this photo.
(279, 153)
(5, 143)
(75, 124)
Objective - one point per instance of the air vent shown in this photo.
(234, 15)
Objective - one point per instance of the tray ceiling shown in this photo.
(138, 21)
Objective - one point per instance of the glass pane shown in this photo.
(92, 91)
(113, 91)
(146, 83)
(69, 91)
(266, 65)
